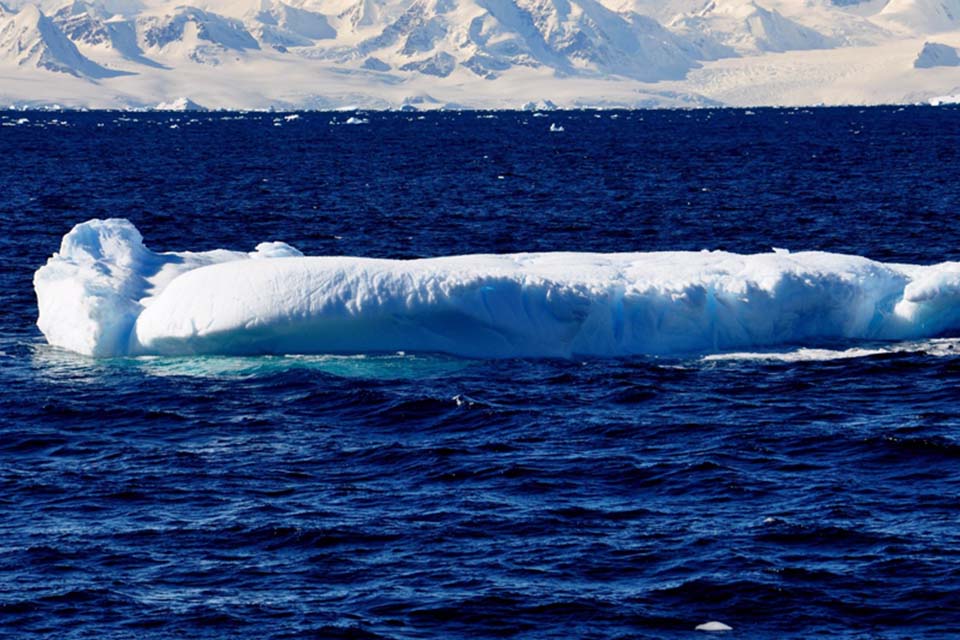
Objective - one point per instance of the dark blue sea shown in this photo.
(425, 496)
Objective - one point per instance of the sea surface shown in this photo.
(795, 493)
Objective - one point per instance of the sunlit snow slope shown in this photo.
(476, 53)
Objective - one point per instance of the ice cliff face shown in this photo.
(249, 46)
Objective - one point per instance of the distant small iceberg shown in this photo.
(351, 120)
(180, 104)
(713, 626)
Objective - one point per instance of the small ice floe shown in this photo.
(555, 128)
(355, 120)
(292, 117)
(713, 626)
(464, 401)
(23, 121)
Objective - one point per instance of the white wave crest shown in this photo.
(105, 294)
(939, 347)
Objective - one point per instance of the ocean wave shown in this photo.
(940, 347)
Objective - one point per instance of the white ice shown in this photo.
(105, 294)
(939, 347)
(713, 626)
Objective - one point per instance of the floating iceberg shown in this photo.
(180, 104)
(713, 626)
(105, 294)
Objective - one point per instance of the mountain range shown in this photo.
(292, 54)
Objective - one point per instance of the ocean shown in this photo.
(792, 492)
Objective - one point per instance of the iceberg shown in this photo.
(105, 294)
(713, 626)
(180, 104)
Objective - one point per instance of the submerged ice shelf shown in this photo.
(105, 294)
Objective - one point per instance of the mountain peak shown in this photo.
(30, 39)
(200, 36)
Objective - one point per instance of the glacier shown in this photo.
(478, 54)
(105, 294)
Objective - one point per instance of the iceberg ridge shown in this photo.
(105, 294)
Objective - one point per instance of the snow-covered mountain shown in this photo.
(282, 26)
(489, 37)
(195, 35)
(382, 53)
(30, 40)
(923, 16)
(92, 26)
(748, 27)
